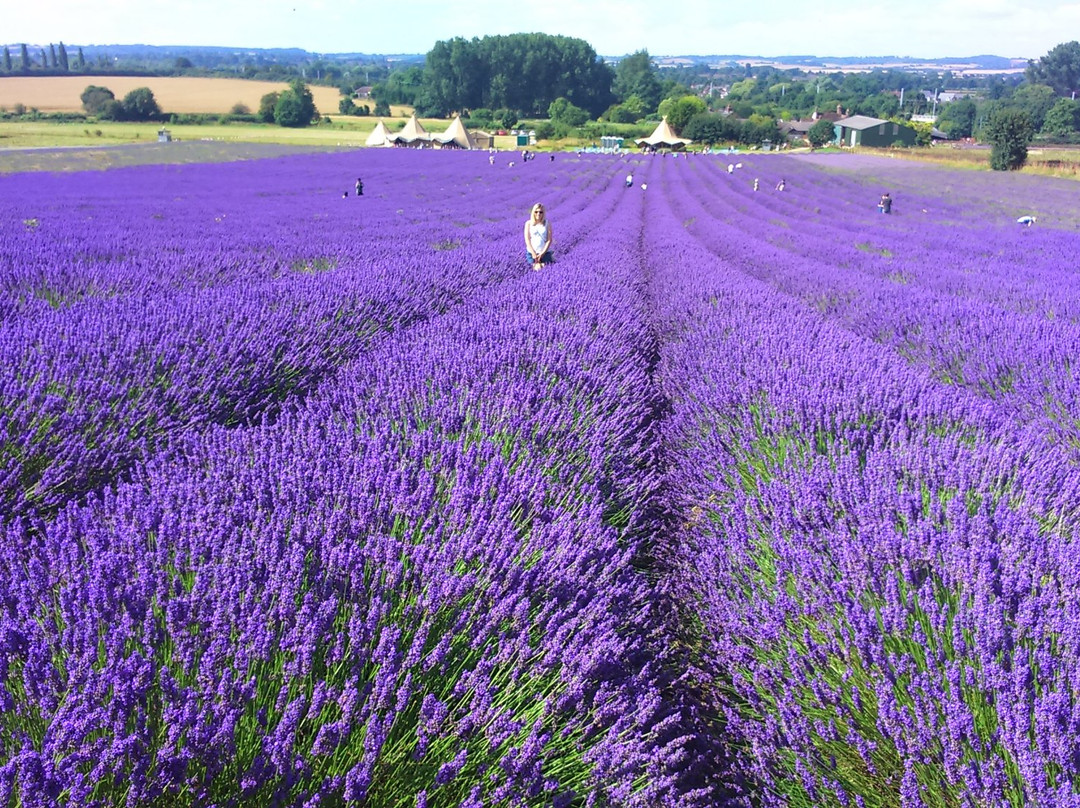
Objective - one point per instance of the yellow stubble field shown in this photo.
(179, 94)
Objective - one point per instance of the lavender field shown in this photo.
(752, 498)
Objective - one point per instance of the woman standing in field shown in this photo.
(538, 237)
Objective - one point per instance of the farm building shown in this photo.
(663, 138)
(380, 136)
(482, 139)
(455, 136)
(413, 135)
(795, 130)
(862, 130)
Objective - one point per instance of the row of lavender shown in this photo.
(980, 305)
(141, 304)
(881, 561)
(418, 585)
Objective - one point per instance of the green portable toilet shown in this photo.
(523, 140)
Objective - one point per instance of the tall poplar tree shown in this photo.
(24, 55)
(63, 57)
(7, 60)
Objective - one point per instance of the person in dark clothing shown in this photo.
(359, 187)
(885, 205)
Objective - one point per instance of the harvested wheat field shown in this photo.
(173, 93)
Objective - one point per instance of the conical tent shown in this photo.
(413, 134)
(456, 135)
(380, 136)
(663, 137)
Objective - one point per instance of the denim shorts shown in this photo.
(544, 259)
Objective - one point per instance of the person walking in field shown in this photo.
(885, 205)
(1026, 221)
(359, 187)
(538, 237)
(629, 180)
(781, 185)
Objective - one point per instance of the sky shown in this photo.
(918, 28)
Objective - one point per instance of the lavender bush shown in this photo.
(752, 498)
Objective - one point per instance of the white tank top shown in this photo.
(538, 234)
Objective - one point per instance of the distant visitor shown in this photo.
(1026, 221)
(538, 237)
(885, 205)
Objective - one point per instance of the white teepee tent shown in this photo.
(456, 135)
(380, 136)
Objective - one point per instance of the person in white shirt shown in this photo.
(538, 237)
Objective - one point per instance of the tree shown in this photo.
(400, 87)
(1009, 132)
(1063, 118)
(266, 107)
(24, 58)
(562, 111)
(821, 133)
(80, 61)
(94, 99)
(924, 132)
(63, 57)
(636, 76)
(957, 118)
(521, 72)
(289, 111)
(880, 105)
(53, 61)
(481, 117)
(620, 113)
(382, 109)
(506, 118)
(295, 106)
(708, 128)
(1035, 100)
(7, 60)
(140, 105)
(1059, 69)
(758, 129)
(682, 109)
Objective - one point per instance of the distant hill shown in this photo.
(198, 53)
(204, 53)
(808, 62)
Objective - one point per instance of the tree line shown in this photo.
(291, 107)
(55, 60)
(521, 72)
